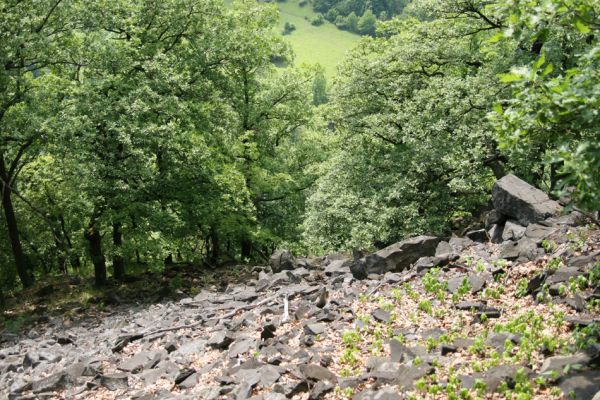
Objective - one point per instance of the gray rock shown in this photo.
(382, 315)
(141, 361)
(583, 385)
(407, 375)
(316, 372)
(524, 249)
(583, 261)
(55, 382)
(269, 375)
(241, 346)
(220, 340)
(479, 235)
(282, 260)
(513, 231)
(471, 305)
(387, 393)
(498, 339)
(563, 274)
(115, 381)
(190, 382)
(495, 233)
(358, 269)
(426, 263)
(320, 389)
(314, 329)
(500, 374)
(557, 364)
(401, 255)
(338, 268)
(518, 199)
(443, 249)
(539, 232)
(459, 244)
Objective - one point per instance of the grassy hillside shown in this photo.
(323, 44)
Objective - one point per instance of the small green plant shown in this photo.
(396, 294)
(386, 306)
(431, 344)
(549, 246)
(349, 357)
(553, 264)
(522, 285)
(480, 266)
(421, 384)
(425, 306)
(431, 283)
(350, 338)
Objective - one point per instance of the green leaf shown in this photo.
(549, 68)
(540, 61)
(498, 108)
(582, 27)
(511, 77)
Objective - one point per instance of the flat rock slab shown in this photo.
(518, 199)
(401, 255)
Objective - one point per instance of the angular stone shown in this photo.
(408, 375)
(241, 346)
(518, 199)
(563, 274)
(539, 232)
(382, 315)
(314, 329)
(448, 349)
(338, 268)
(401, 255)
(479, 235)
(459, 244)
(317, 373)
(512, 231)
(359, 270)
(269, 375)
(387, 393)
(426, 263)
(220, 340)
(115, 381)
(471, 305)
(282, 260)
(320, 389)
(495, 233)
(557, 364)
(498, 339)
(582, 385)
(499, 374)
(54, 382)
(524, 249)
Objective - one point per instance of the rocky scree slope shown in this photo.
(510, 311)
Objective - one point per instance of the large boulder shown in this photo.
(401, 255)
(516, 198)
(282, 260)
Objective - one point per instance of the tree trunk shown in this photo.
(246, 245)
(95, 246)
(215, 251)
(13, 229)
(118, 261)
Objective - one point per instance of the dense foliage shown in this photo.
(447, 99)
(143, 131)
(359, 16)
(137, 132)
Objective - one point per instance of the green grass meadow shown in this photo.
(323, 44)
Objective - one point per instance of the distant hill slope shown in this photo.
(323, 44)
